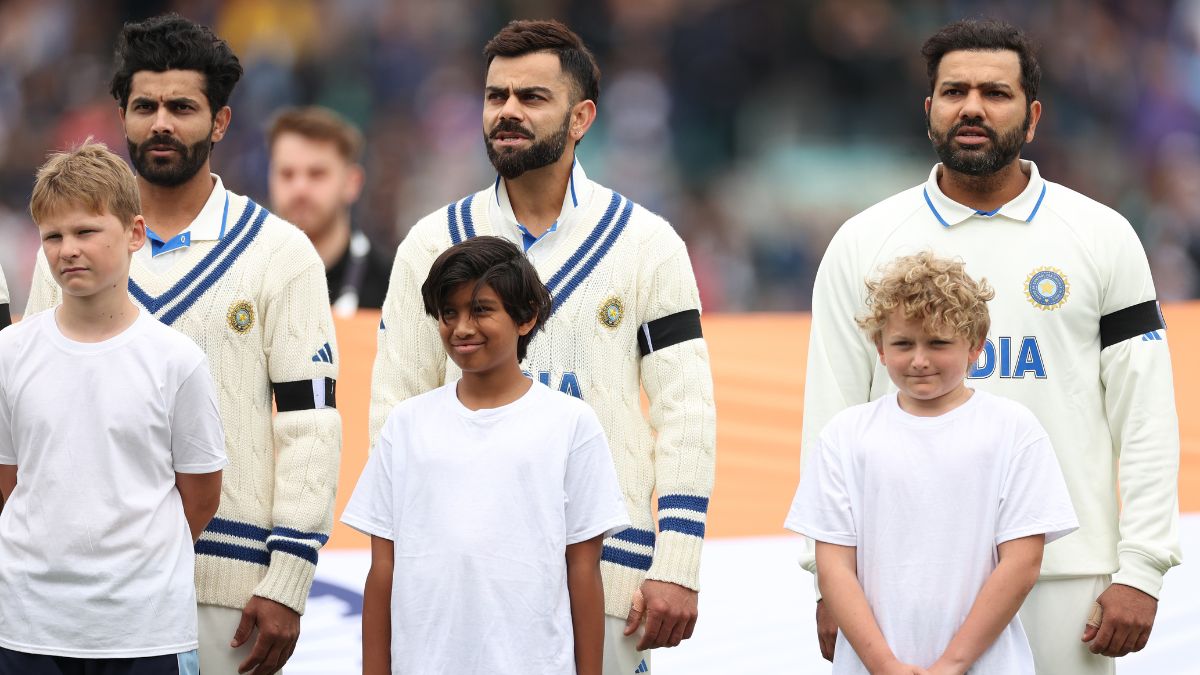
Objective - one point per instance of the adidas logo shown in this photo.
(323, 355)
(642, 667)
(1152, 335)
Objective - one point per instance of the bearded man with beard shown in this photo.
(625, 317)
(250, 289)
(1076, 336)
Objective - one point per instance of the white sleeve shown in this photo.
(595, 505)
(1034, 497)
(371, 508)
(8, 450)
(821, 509)
(197, 438)
(409, 359)
(841, 361)
(1139, 401)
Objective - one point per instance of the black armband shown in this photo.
(311, 394)
(1135, 320)
(669, 330)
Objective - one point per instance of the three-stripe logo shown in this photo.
(323, 355)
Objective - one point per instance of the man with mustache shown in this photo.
(625, 317)
(249, 289)
(1076, 336)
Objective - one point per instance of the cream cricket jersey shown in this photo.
(1076, 336)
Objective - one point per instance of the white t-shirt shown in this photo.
(926, 501)
(481, 505)
(96, 557)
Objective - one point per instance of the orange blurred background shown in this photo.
(760, 397)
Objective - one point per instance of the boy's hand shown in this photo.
(670, 612)
(826, 630)
(278, 630)
(1128, 617)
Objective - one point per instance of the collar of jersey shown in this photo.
(208, 225)
(1023, 208)
(579, 192)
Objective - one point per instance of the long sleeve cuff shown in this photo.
(288, 580)
(1140, 572)
(677, 559)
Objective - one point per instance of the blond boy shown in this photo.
(931, 505)
(111, 448)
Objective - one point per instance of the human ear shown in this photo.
(221, 123)
(583, 114)
(976, 351)
(137, 234)
(525, 328)
(1035, 114)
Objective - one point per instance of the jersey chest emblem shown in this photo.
(241, 316)
(611, 312)
(1047, 288)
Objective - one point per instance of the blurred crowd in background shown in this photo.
(755, 126)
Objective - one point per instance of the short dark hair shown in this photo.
(984, 35)
(498, 263)
(171, 42)
(318, 124)
(525, 37)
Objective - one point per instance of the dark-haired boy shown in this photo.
(249, 289)
(486, 530)
(626, 319)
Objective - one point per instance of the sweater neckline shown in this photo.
(608, 213)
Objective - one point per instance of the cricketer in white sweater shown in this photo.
(626, 316)
(1076, 336)
(250, 290)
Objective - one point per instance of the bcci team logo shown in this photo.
(241, 316)
(611, 312)
(1047, 288)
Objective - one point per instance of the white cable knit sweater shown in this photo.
(619, 267)
(255, 301)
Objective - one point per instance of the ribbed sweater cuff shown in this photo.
(619, 584)
(677, 559)
(224, 582)
(288, 580)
